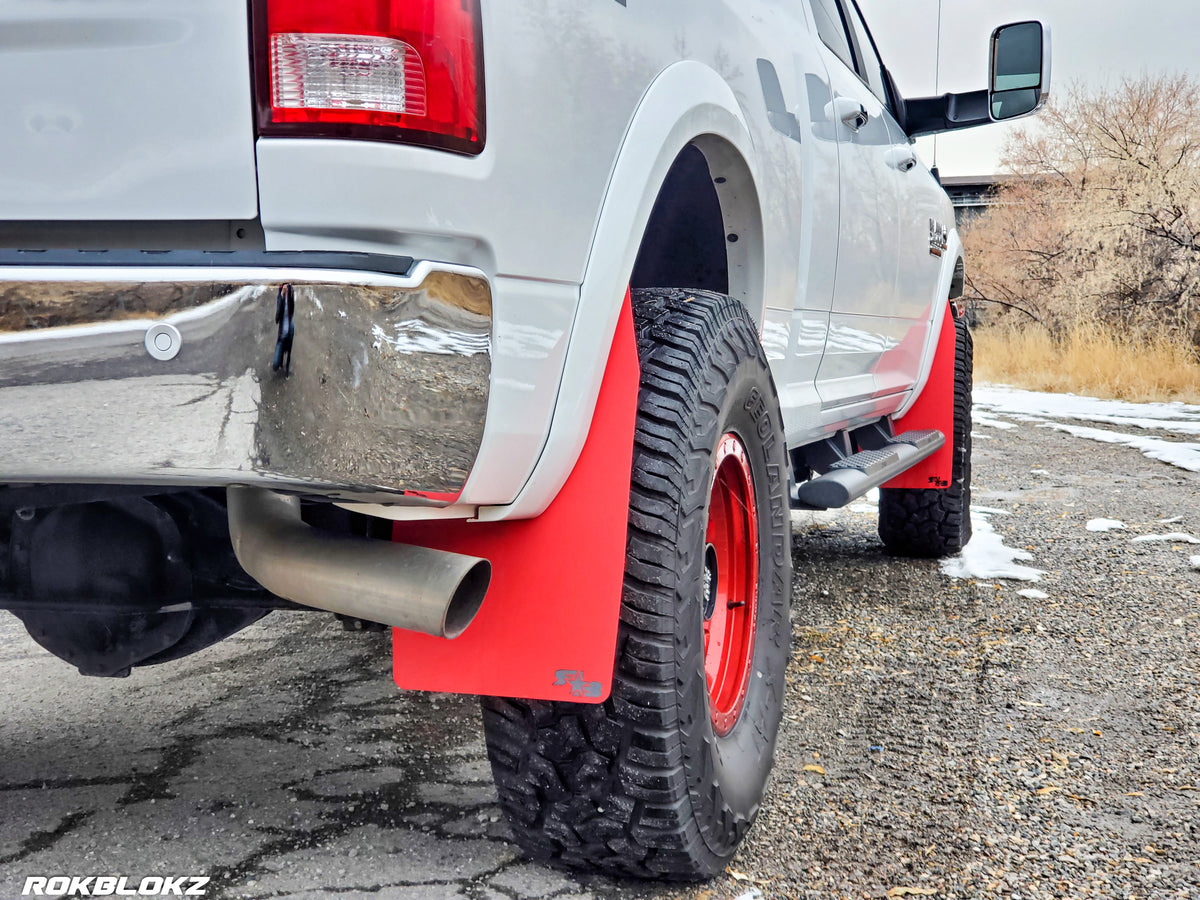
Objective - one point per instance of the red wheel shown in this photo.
(731, 583)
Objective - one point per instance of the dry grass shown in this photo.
(1090, 361)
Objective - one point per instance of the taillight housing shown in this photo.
(409, 71)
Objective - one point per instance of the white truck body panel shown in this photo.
(126, 110)
(587, 107)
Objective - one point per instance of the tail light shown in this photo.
(409, 71)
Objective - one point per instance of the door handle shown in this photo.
(902, 158)
(849, 112)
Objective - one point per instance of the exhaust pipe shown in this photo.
(415, 588)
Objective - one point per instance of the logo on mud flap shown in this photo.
(580, 686)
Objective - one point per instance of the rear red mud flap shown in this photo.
(934, 409)
(548, 626)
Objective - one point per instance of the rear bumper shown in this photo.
(385, 400)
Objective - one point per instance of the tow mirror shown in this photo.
(1019, 85)
(1019, 63)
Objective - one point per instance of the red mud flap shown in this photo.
(548, 626)
(934, 409)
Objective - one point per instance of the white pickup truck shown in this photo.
(516, 326)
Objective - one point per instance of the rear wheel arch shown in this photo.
(958, 281)
(742, 217)
(688, 105)
(705, 229)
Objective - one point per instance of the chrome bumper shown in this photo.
(164, 375)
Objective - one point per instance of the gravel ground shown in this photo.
(972, 742)
(942, 738)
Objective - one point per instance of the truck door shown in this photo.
(861, 329)
(920, 211)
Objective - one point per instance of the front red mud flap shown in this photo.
(934, 409)
(548, 626)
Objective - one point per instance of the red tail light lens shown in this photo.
(392, 70)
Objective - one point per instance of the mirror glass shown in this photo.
(1016, 85)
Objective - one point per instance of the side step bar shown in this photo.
(849, 477)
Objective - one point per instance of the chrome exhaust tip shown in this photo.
(415, 588)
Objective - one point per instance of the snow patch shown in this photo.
(1033, 594)
(986, 556)
(989, 511)
(1170, 521)
(867, 503)
(1195, 561)
(979, 417)
(1180, 418)
(1178, 453)
(1176, 537)
(1104, 524)
(1043, 408)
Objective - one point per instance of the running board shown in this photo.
(852, 476)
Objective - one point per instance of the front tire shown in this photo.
(931, 522)
(664, 778)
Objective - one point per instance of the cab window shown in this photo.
(870, 69)
(832, 29)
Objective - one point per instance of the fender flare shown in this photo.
(687, 102)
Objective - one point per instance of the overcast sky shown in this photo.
(1094, 41)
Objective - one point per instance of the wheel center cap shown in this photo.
(710, 581)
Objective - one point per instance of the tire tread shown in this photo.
(604, 786)
(931, 523)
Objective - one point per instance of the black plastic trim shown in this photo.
(274, 259)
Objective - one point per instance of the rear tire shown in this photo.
(932, 522)
(664, 778)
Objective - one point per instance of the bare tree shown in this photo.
(1102, 224)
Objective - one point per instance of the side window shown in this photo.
(870, 68)
(832, 30)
